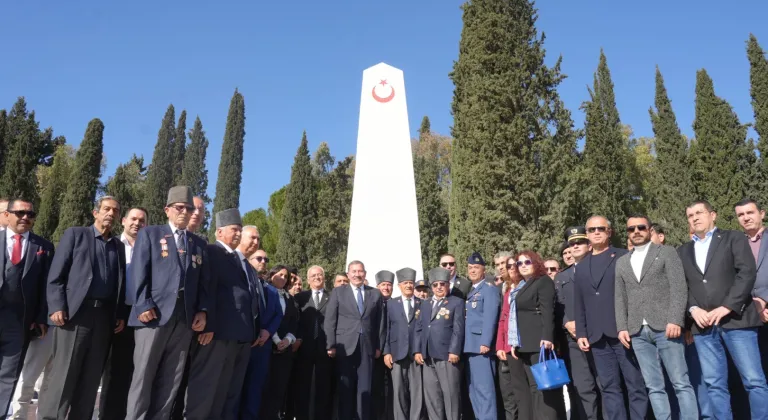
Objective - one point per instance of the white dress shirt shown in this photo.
(10, 241)
(636, 260)
(405, 304)
(130, 292)
(701, 248)
(362, 292)
(276, 338)
(176, 232)
(319, 294)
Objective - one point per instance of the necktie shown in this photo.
(16, 254)
(360, 300)
(317, 299)
(253, 288)
(181, 246)
(410, 310)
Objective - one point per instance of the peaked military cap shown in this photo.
(421, 283)
(576, 232)
(180, 194)
(476, 258)
(439, 274)
(228, 217)
(406, 274)
(384, 276)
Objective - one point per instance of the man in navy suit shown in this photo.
(86, 302)
(594, 313)
(353, 331)
(218, 369)
(26, 259)
(270, 317)
(482, 306)
(170, 271)
(398, 349)
(438, 343)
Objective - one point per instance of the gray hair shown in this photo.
(315, 266)
(502, 254)
(104, 198)
(595, 216)
(252, 227)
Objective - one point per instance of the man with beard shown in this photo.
(86, 302)
(352, 328)
(23, 310)
(382, 376)
(116, 380)
(259, 261)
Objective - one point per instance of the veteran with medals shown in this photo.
(438, 342)
(170, 272)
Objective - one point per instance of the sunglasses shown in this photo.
(597, 229)
(180, 208)
(579, 242)
(641, 228)
(438, 284)
(447, 264)
(261, 259)
(526, 262)
(21, 213)
(551, 269)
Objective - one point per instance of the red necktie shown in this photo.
(16, 254)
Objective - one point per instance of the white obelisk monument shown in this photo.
(384, 224)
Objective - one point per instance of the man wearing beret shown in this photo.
(170, 270)
(482, 306)
(382, 376)
(438, 342)
(421, 289)
(399, 346)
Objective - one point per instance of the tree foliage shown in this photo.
(231, 165)
(160, 172)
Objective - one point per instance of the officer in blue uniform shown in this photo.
(438, 341)
(482, 308)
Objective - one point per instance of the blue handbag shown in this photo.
(550, 373)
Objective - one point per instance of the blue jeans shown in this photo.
(699, 387)
(650, 346)
(742, 346)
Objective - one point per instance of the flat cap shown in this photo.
(439, 274)
(228, 217)
(476, 258)
(180, 194)
(406, 274)
(384, 276)
(576, 232)
(421, 283)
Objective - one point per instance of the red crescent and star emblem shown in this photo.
(380, 99)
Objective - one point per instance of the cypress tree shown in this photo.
(23, 142)
(54, 188)
(127, 184)
(3, 138)
(179, 148)
(758, 77)
(607, 190)
(670, 183)
(231, 164)
(330, 231)
(78, 201)
(194, 174)
(160, 172)
(720, 145)
(433, 214)
(274, 215)
(502, 88)
(299, 212)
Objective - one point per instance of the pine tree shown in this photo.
(194, 174)
(160, 172)
(179, 148)
(607, 190)
(127, 184)
(502, 88)
(758, 76)
(231, 164)
(720, 145)
(23, 142)
(299, 212)
(433, 215)
(53, 191)
(670, 181)
(78, 201)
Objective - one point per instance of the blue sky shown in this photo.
(299, 65)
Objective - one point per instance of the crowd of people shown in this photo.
(159, 324)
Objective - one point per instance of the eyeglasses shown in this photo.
(551, 269)
(579, 242)
(261, 259)
(597, 229)
(641, 228)
(448, 264)
(526, 262)
(511, 266)
(180, 208)
(21, 213)
(438, 284)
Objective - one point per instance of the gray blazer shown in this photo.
(659, 297)
(761, 283)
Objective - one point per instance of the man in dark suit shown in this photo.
(217, 370)
(582, 392)
(720, 271)
(438, 344)
(352, 328)
(270, 317)
(170, 270)
(399, 348)
(26, 259)
(86, 302)
(315, 367)
(459, 286)
(594, 313)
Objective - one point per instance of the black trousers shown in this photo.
(273, 396)
(116, 380)
(316, 396)
(531, 402)
(80, 350)
(354, 384)
(383, 393)
(583, 392)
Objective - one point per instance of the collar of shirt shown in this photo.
(315, 292)
(9, 234)
(757, 237)
(124, 240)
(641, 249)
(706, 237)
(174, 229)
(476, 285)
(230, 249)
(98, 234)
